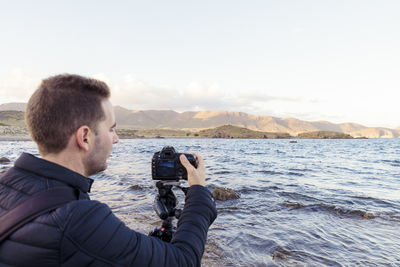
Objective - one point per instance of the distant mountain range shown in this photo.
(190, 120)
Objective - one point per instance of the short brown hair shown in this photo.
(61, 105)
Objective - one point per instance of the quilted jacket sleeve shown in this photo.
(93, 235)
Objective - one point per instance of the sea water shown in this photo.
(310, 203)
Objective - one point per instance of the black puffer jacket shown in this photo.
(86, 232)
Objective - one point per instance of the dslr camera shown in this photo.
(166, 166)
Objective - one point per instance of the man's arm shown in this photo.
(94, 235)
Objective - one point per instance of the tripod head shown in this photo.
(165, 206)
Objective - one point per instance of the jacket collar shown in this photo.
(54, 171)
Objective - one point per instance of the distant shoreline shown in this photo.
(14, 133)
(6, 138)
(171, 123)
(27, 138)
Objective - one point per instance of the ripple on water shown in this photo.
(291, 257)
(341, 211)
(394, 163)
(250, 250)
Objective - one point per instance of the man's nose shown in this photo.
(115, 138)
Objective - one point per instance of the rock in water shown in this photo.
(368, 215)
(281, 254)
(223, 194)
(4, 160)
(136, 187)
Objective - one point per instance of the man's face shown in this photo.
(104, 140)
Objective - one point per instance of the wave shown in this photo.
(269, 172)
(395, 163)
(295, 174)
(299, 258)
(290, 173)
(376, 201)
(301, 170)
(222, 172)
(341, 211)
(297, 196)
(330, 208)
(256, 189)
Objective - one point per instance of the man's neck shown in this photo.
(67, 160)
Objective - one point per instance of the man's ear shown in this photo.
(82, 136)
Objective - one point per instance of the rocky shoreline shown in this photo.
(18, 133)
(14, 133)
(15, 138)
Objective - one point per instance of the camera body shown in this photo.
(166, 166)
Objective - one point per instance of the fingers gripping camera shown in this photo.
(166, 166)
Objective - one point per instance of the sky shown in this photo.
(337, 61)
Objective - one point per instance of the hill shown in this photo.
(226, 131)
(230, 131)
(324, 135)
(197, 121)
(131, 133)
(12, 118)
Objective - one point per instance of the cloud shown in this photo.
(298, 30)
(17, 85)
(134, 93)
(251, 96)
(131, 92)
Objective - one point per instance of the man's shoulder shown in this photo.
(78, 210)
(16, 179)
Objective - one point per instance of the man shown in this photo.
(73, 124)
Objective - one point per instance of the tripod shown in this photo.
(165, 206)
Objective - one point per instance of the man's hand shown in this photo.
(196, 176)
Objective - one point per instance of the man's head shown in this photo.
(71, 106)
(60, 106)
